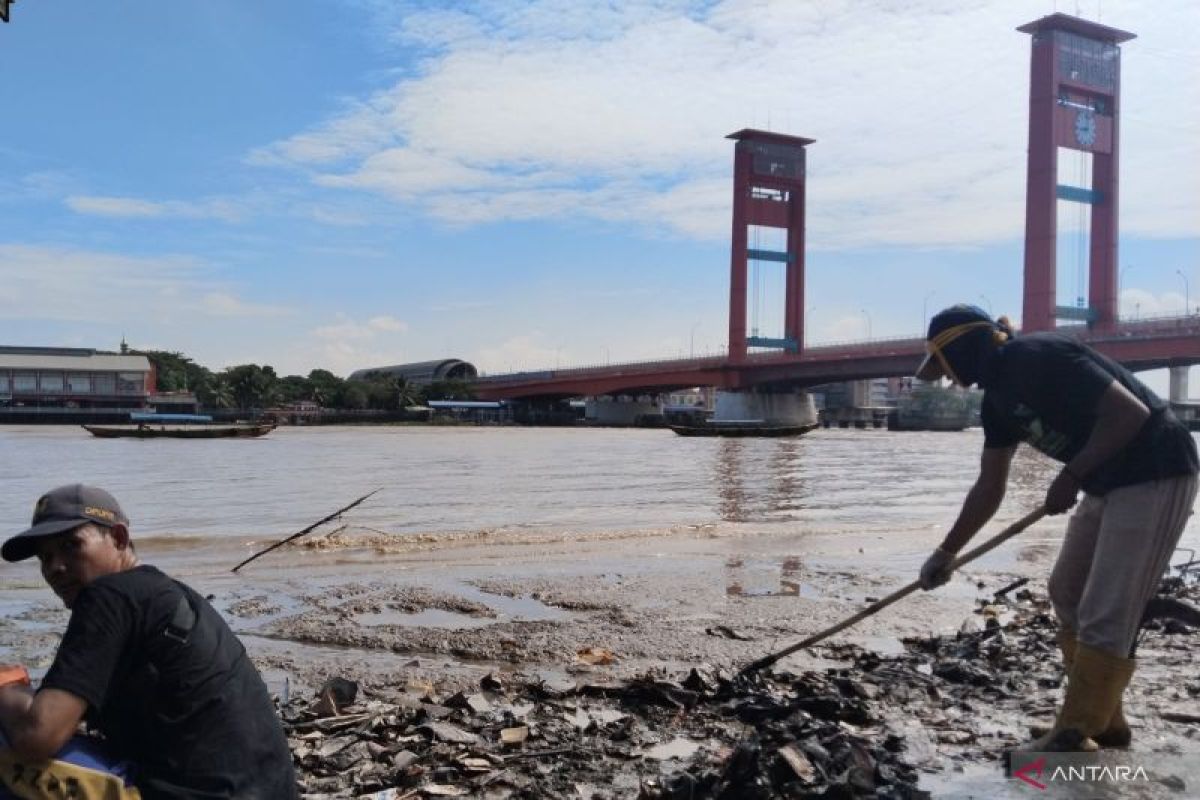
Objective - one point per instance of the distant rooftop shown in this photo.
(423, 372)
(72, 358)
(769, 136)
(17, 350)
(1083, 27)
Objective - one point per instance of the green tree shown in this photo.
(252, 386)
(354, 396)
(450, 390)
(389, 393)
(295, 387)
(176, 372)
(216, 394)
(326, 388)
(408, 394)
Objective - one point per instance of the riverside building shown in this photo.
(69, 385)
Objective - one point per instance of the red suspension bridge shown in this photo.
(1074, 103)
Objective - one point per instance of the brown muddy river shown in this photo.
(186, 496)
(437, 480)
(515, 549)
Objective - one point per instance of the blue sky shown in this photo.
(347, 184)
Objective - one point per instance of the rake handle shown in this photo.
(997, 540)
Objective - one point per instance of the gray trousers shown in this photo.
(1113, 555)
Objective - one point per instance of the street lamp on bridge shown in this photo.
(1186, 292)
(1120, 283)
(925, 310)
(868, 316)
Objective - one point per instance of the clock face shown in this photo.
(1085, 128)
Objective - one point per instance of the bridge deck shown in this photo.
(1139, 345)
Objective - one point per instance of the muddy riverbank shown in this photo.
(567, 624)
(931, 720)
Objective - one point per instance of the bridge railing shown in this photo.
(678, 362)
(1161, 322)
(862, 343)
(1148, 323)
(613, 368)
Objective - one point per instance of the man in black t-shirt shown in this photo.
(146, 661)
(1119, 443)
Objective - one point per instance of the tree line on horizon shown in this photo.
(253, 386)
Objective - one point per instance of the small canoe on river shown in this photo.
(739, 428)
(179, 426)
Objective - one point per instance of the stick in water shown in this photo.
(309, 529)
(1004, 535)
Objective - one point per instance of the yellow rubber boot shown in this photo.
(1094, 687)
(1117, 732)
(1066, 645)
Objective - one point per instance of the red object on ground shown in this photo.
(13, 674)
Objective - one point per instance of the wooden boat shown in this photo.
(179, 426)
(746, 428)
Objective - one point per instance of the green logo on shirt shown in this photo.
(1039, 435)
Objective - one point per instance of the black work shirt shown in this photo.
(194, 716)
(1044, 389)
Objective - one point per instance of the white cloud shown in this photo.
(525, 351)
(343, 331)
(346, 328)
(462, 305)
(405, 173)
(343, 357)
(222, 304)
(359, 130)
(387, 323)
(72, 285)
(554, 109)
(845, 328)
(114, 206)
(347, 344)
(336, 217)
(98, 205)
(1139, 303)
(38, 186)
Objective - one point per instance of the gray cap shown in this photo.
(64, 509)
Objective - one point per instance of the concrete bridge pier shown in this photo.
(1178, 384)
(622, 410)
(777, 408)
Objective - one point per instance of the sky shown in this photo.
(355, 183)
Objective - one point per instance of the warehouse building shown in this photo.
(45, 384)
(423, 373)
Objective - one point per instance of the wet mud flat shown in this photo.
(527, 709)
(574, 668)
(669, 602)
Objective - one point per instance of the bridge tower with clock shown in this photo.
(1074, 102)
(768, 191)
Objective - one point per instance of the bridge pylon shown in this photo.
(1074, 100)
(768, 191)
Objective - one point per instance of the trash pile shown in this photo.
(836, 733)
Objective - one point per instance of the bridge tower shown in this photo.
(1074, 102)
(768, 190)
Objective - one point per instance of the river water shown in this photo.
(198, 507)
(196, 495)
